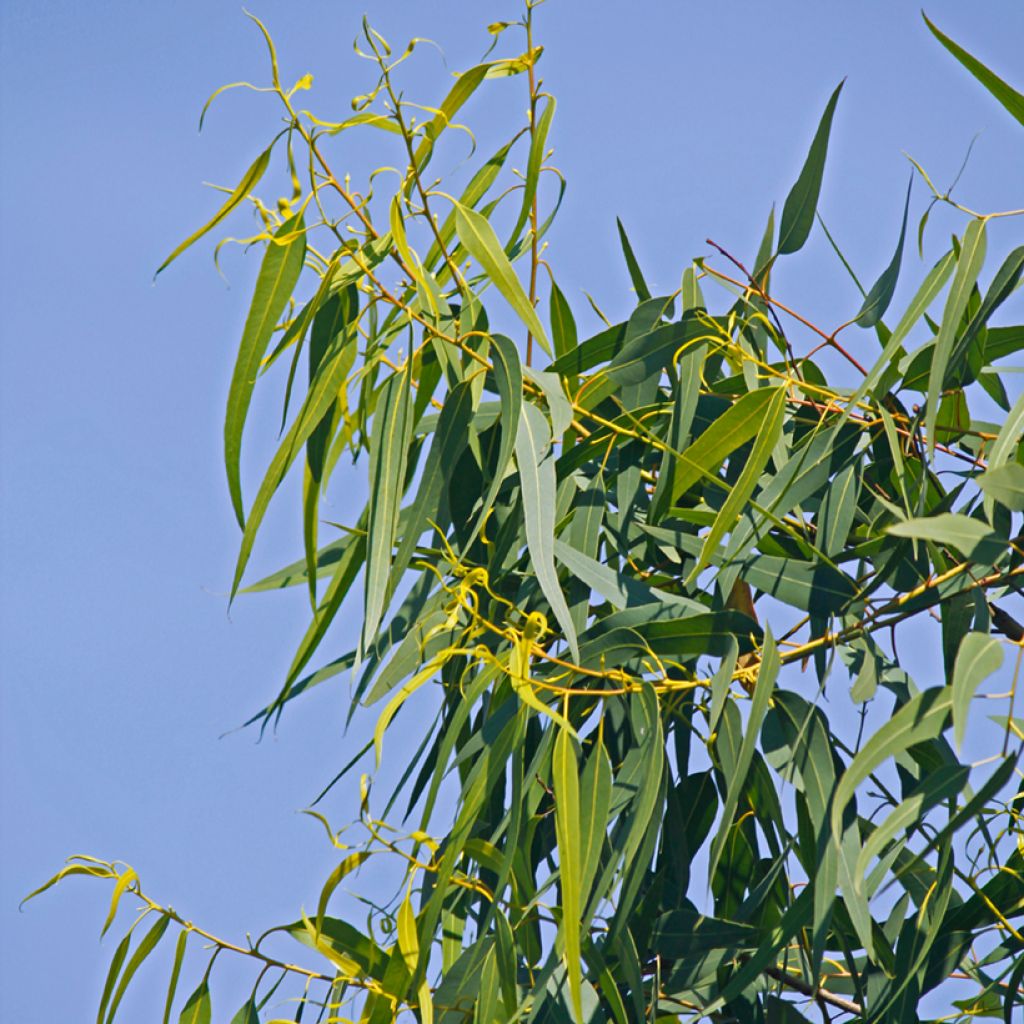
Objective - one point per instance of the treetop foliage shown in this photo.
(628, 580)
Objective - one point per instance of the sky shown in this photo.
(121, 667)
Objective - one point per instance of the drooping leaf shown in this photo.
(275, 283)
(537, 480)
(570, 860)
(198, 1009)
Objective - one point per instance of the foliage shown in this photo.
(628, 587)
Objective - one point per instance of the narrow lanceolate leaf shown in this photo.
(249, 181)
(972, 255)
(538, 144)
(1005, 93)
(878, 298)
(346, 867)
(765, 439)
(1010, 435)
(480, 241)
(944, 784)
(537, 480)
(321, 398)
(767, 674)
(643, 293)
(978, 657)
(737, 425)
(802, 201)
(389, 449)
(124, 880)
(172, 985)
(595, 801)
(145, 947)
(1005, 484)
(198, 1009)
(112, 975)
(974, 539)
(921, 719)
(563, 324)
(567, 829)
(508, 376)
(278, 274)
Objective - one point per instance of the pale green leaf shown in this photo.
(978, 657)
(570, 858)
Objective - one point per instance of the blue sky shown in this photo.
(121, 667)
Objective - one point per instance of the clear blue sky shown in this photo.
(120, 665)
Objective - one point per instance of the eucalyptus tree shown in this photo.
(621, 574)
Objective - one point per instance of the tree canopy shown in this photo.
(626, 582)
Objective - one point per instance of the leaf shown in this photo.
(1012, 100)
(570, 859)
(643, 293)
(595, 801)
(563, 324)
(974, 539)
(765, 440)
(346, 867)
(943, 784)
(249, 181)
(465, 85)
(876, 302)
(767, 673)
(480, 241)
(1005, 484)
(145, 947)
(922, 718)
(972, 255)
(125, 879)
(1009, 435)
(978, 657)
(112, 973)
(172, 985)
(802, 201)
(279, 272)
(198, 1009)
(389, 449)
(737, 425)
(247, 1013)
(538, 143)
(318, 403)
(537, 481)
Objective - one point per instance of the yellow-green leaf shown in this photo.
(567, 829)
(480, 241)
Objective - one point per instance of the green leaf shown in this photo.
(643, 293)
(145, 947)
(249, 181)
(538, 144)
(570, 859)
(802, 201)
(389, 450)
(322, 395)
(1009, 435)
(766, 437)
(978, 657)
(248, 1013)
(974, 539)
(346, 867)
(768, 672)
(1005, 484)
(737, 425)
(279, 272)
(198, 1009)
(480, 241)
(537, 480)
(563, 324)
(465, 85)
(921, 719)
(595, 801)
(972, 255)
(1012, 100)
(172, 985)
(112, 974)
(878, 298)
